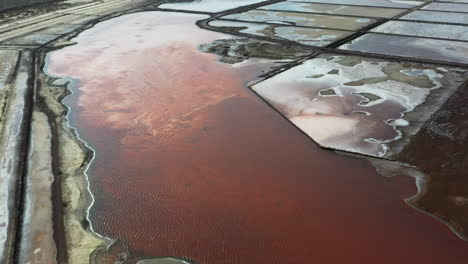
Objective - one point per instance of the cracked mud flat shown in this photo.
(358, 105)
(189, 163)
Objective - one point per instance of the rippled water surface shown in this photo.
(190, 163)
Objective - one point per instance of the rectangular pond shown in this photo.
(436, 16)
(421, 29)
(308, 36)
(413, 47)
(335, 9)
(304, 19)
(452, 7)
(378, 3)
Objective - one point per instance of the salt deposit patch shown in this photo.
(352, 104)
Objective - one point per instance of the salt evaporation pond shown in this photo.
(190, 163)
(209, 5)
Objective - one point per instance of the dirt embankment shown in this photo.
(80, 245)
(72, 157)
(439, 150)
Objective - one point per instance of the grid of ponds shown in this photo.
(313, 23)
(421, 30)
(432, 31)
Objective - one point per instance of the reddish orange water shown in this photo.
(190, 163)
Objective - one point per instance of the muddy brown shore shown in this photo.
(439, 151)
